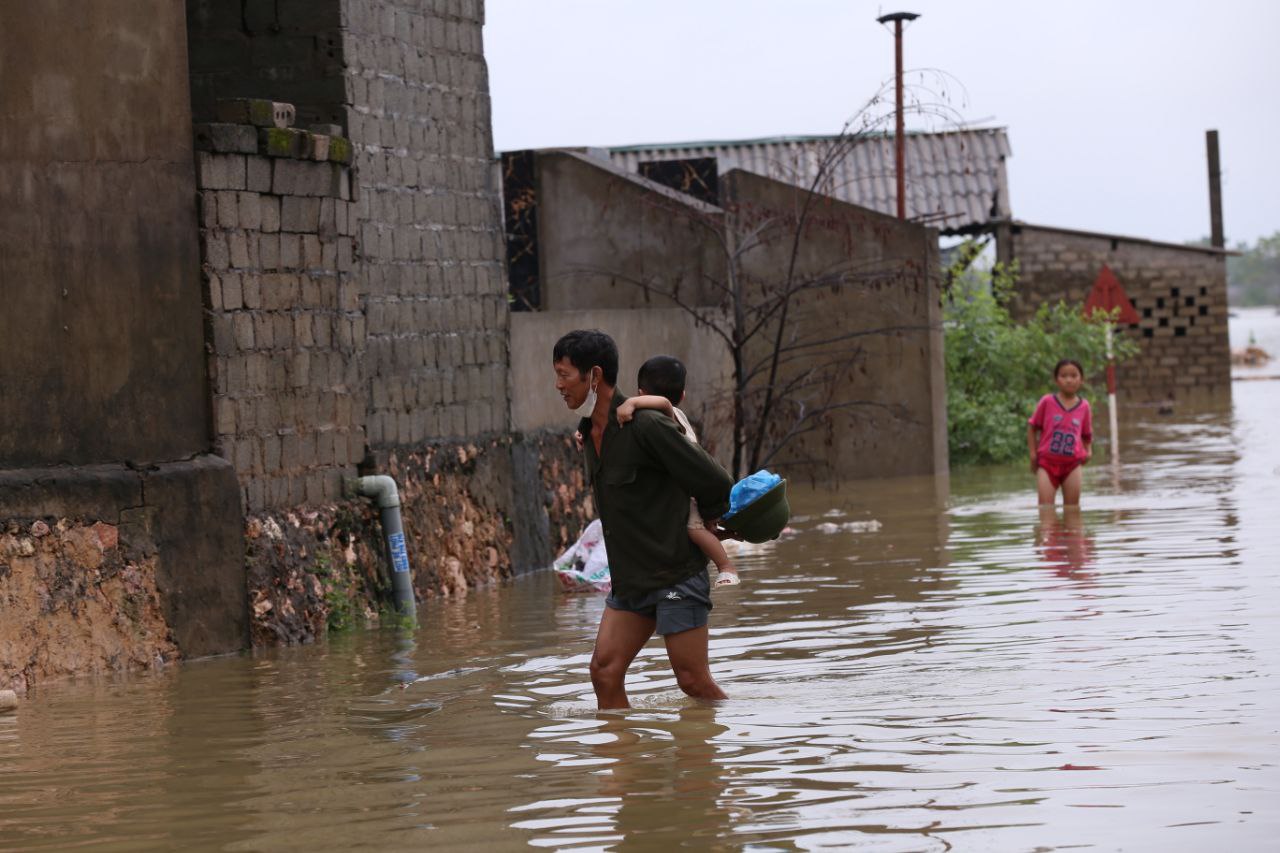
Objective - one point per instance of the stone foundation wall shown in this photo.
(1180, 294)
(76, 602)
(108, 568)
(322, 567)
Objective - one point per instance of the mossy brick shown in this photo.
(340, 150)
(226, 138)
(282, 142)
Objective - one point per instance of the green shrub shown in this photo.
(997, 369)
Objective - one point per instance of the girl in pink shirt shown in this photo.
(1060, 436)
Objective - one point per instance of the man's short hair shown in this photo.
(663, 375)
(588, 348)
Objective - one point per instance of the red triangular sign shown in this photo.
(1107, 295)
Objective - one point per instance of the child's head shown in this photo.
(663, 375)
(1068, 374)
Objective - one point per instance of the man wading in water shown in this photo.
(642, 476)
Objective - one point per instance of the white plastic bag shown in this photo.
(584, 567)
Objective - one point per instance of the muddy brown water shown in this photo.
(970, 675)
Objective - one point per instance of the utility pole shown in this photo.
(1217, 238)
(899, 141)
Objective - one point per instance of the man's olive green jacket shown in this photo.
(642, 480)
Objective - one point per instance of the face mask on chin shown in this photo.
(588, 405)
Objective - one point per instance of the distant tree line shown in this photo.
(1253, 277)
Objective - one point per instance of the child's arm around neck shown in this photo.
(627, 410)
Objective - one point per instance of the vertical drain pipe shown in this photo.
(383, 490)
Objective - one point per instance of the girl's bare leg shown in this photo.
(1071, 487)
(1045, 490)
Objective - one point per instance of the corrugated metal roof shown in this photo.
(955, 179)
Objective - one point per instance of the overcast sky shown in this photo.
(1106, 103)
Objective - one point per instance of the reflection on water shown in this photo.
(967, 671)
(1064, 545)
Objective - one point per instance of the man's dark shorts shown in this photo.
(675, 608)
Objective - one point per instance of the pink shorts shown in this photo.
(1057, 467)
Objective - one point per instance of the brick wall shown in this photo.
(407, 82)
(1180, 294)
(285, 320)
(430, 231)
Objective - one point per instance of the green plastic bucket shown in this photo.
(764, 518)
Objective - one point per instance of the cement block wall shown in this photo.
(430, 232)
(596, 224)
(889, 297)
(401, 353)
(408, 82)
(1179, 292)
(286, 323)
(604, 234)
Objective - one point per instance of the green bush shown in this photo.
(997, 369)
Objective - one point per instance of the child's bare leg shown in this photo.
(1045, 490)
(710, 545)
(1071, 487)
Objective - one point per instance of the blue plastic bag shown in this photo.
(750, 487)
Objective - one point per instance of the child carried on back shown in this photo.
(661, 384)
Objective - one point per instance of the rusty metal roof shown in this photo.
(955, 179)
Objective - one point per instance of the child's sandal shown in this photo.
(727, 579)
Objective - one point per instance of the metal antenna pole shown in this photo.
(899, 142)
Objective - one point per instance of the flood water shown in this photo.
(918, 668)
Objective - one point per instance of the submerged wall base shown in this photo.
(109, 567)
